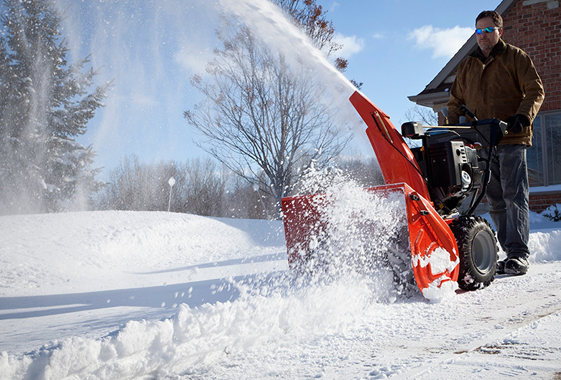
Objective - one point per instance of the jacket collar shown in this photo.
(499, 48)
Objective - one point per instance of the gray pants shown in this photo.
(508, 195)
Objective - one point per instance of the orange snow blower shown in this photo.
(443, 244)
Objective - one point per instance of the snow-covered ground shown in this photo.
(153, 295)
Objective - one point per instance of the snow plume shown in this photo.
(278, 32)
(151, 48)
(360, 232)
(269, 22)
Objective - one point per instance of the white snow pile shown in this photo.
(153, 295)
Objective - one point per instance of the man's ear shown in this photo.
(501, 32)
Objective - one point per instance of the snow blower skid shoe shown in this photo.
(432, 180)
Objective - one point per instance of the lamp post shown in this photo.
(171, 183)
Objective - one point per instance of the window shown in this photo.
(544, 157)
(534, 156)
(553, 132)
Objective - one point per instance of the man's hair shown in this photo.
(497, 19)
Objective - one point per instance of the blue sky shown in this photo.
(396, 47)
(150, 48)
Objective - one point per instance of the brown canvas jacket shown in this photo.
(500, 86)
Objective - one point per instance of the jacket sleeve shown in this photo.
(531, 86)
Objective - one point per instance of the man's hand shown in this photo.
(517, 123)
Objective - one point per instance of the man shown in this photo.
(500, 81)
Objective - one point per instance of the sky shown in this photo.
(396, 47)
(149, 49)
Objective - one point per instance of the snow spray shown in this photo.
(150, 50)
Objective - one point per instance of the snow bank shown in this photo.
(545, 246)
(276, 327)
(93, 251)
(270, 312)
(545, 238)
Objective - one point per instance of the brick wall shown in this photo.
(539, 202)
(536, 29)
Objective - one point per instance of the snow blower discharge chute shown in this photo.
(441, 245)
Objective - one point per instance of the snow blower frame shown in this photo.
(451, 164)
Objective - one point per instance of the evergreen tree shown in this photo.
(44, 104)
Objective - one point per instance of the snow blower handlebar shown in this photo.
(495, 130)
(455, 160)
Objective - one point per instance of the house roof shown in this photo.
(437, 91)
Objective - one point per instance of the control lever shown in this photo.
(467, 111)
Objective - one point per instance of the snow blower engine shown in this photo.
(446, 242)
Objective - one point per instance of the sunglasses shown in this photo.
(486, 30)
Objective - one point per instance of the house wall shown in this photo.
(536, 29)
(539, 202)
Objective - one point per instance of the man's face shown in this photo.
(487, 41)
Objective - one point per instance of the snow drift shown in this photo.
(140, 295)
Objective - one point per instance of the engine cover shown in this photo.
(448, 161)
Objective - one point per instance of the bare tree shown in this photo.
(423, 114)
(204, 188)
(134, 186)
(242, 200)
(199, 187)
(262, 119)
(311, 18)
(364, 171)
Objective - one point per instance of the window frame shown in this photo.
(544, 146)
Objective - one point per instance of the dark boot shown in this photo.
(516, 266)
(501, 266)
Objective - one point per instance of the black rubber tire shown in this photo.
(478, 251)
